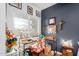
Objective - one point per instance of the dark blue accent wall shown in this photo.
(70, 14)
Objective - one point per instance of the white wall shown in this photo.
(2, 29)
(14, 12)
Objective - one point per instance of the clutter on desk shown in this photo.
(67, 48)
(67, 43)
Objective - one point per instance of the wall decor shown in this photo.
(61, 23)
(52, 29)
(30, 10)
(52, 21)
(37, 13)
(17, 5)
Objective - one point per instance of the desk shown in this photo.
(26, 42)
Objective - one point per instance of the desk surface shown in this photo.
(26, 42)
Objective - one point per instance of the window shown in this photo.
(22, 26)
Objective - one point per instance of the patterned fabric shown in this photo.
(38, 46)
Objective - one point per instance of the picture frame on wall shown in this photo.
(37, 13)
(52, 29)
(17, 5)
(29, 10)
(52, 21)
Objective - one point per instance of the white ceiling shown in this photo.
(42, 6)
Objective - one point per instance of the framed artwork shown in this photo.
(61, 24)
(17, 5)
(30, 10)
(37, 13)
(52, 21)
(52, 29)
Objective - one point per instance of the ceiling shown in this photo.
(42, 6)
